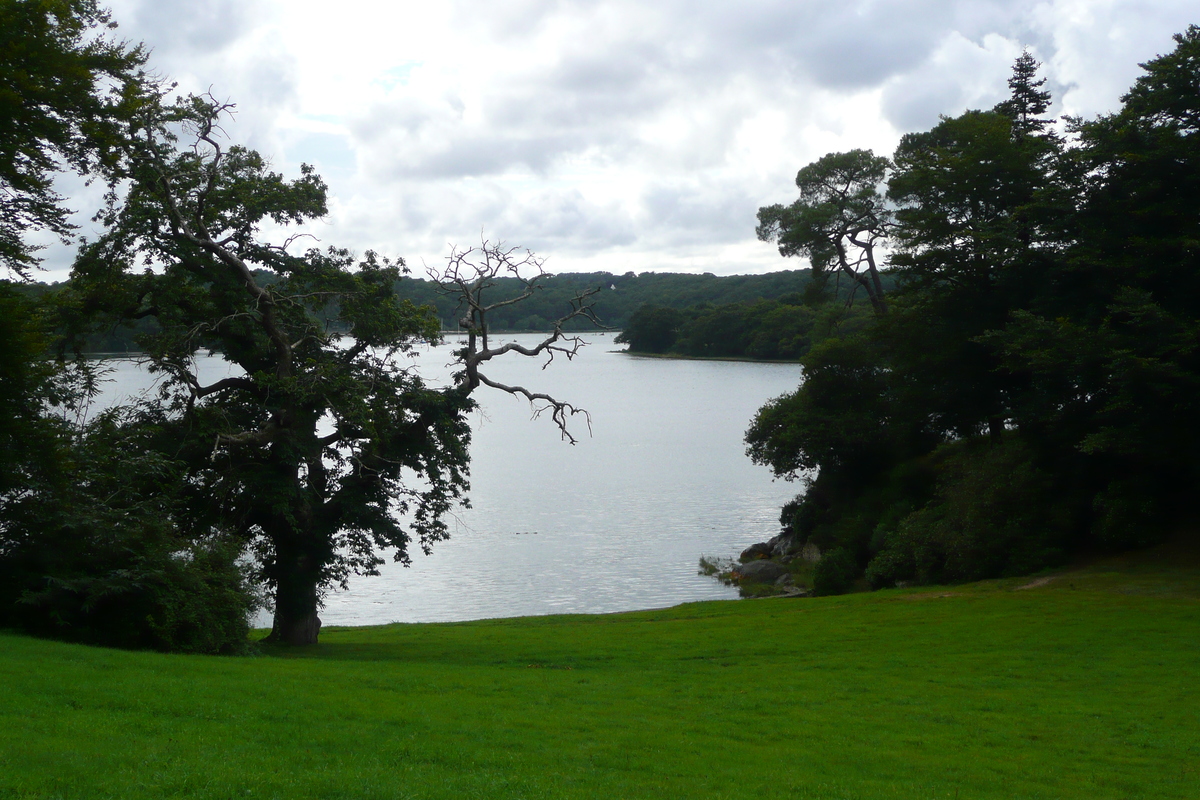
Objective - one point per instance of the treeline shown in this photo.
(770, 330)
(618, 300)
(1031, 388)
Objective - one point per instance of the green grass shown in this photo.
(1083, 687)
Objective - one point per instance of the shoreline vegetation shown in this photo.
(1076, 683)
(618, 299)
(681, 357)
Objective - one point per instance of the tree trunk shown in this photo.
(288, 628)
(296, 621)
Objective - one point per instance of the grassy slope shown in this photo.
(1082, 687)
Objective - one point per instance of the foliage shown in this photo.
(313, 451)
(768, 330)
(64, 89)
(994, 512)
(1028, 100)
(618, 299)
(1033, 388)
(835, 572)
(838, 220)
(91, 546)
(94, 549)
(322, 448)
(651, 329)
(26, 379)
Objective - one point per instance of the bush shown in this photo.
(134, 590)
(995, 512)
(91, 550)
(1128, 514)
(835, 572)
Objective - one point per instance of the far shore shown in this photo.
(676, 357)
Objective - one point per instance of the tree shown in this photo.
(971, 234)
(1113, 363)
(985, 203)
(1028, 99)
(319, 452)
(92, 547)
(1033, 388)
(652, 329)
(63, 89)
(838, 221)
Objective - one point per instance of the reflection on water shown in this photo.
(616, 522)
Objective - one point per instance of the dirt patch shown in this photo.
(931, 595)
(1033, 584)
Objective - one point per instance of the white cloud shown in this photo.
(612, 134)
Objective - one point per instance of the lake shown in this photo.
(616, 522)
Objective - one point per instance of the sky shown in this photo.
(612, 135)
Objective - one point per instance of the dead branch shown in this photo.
(468, 276)
(559, 409)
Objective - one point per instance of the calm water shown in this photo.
(616, 522)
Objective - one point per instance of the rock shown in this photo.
(811, 553)
(760, 571)
(784, 580)
(756, 551)
(783, 545)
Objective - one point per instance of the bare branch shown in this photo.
(468, 276)
(559, 409)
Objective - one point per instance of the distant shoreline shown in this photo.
(674, 357)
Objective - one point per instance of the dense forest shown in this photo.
(768, 330)
(620, 296)
(1031, 387)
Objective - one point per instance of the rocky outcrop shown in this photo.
(761, 571)
(785, 545)
(756, 551)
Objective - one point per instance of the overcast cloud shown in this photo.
(613, 135)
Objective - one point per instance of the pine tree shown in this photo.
(1028, 99)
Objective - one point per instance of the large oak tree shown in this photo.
(324, 448)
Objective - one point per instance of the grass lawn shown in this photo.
(1083, 686)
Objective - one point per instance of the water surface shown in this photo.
(616, 522)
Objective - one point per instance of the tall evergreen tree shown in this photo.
(1028, 99)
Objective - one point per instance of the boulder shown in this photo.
(756, 551)
(759, 572)
(811, 553)
(784, 544)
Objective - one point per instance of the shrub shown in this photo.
(994, 512)
(1127, 514)
(835, 572)
(91, 550)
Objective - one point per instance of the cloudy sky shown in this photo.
(613, 135)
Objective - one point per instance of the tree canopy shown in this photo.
(1033, 388)
(320, 452)
(65, 85)
(838, 220)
